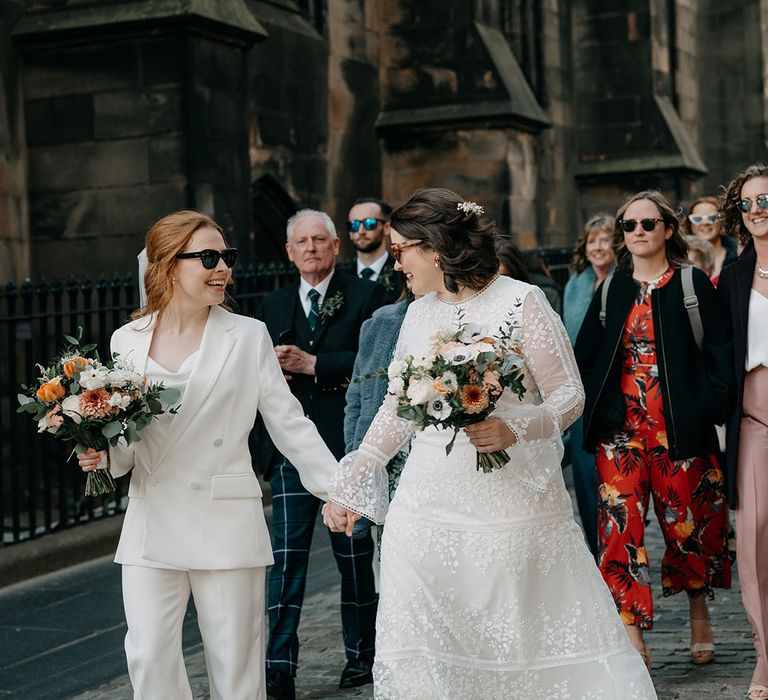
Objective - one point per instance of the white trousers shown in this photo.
(230, 614)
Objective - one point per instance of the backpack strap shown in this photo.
(691, 303)
(604, 298)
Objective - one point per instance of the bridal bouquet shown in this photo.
(460, 383)
(94, 403)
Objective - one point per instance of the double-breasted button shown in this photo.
(195, 485)
(218, 442)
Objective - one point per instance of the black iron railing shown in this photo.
(40, 491)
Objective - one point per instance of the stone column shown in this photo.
(133, 110)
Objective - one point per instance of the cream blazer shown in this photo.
(195, 503)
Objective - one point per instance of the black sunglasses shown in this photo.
(629, 225)
(369, 224)
(210, 258)
(745, 203)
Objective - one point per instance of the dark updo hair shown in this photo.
(464, 242)
(512, 259)
(675, 246)
(733, 222)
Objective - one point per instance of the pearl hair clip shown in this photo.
(470, 208)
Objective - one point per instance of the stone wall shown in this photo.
(14, 229)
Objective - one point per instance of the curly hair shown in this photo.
(676, 245)
(733, 223)
(686, 224)
(465, 242)
(166, 239)
(599, 222)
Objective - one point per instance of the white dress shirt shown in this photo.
(376, 266)
(305, 288)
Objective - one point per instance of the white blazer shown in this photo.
(195, 503)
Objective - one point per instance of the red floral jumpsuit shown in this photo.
(688, 495)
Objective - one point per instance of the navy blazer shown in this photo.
(735, 287)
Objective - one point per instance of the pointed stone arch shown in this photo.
(272, 206)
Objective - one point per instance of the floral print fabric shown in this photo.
(688, 495)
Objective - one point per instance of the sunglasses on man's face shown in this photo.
(745, 203)
(398, 248)
(699, 219)
(210, 258)
(369, 224)
(629, 225)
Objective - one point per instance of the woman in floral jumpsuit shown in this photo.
(654, 398)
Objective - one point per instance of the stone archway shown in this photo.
(272, 206)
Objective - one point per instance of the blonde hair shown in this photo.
(601, 222)
(165, 240)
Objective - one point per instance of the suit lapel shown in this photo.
(141, 342)
(744, 275)
(215, 347)
(338, 284)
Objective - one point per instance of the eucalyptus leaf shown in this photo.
(74, 387)
(24, 399)
(169, 395)
(154, 405)
(88, 348)
(71, 340)
(112, 429)
(131, 434)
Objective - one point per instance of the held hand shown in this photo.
(89, 460)
(339, 519)
(490, 435)
(294, 359)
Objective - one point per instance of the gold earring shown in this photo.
(437, 262)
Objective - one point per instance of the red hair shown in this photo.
(165, 240)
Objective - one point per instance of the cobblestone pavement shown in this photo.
(674, 675)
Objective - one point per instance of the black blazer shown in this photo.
(697, 388)
(391, 280)
(735, 286)
(334, 342)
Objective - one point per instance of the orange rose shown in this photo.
(74, 365)
(51, 391)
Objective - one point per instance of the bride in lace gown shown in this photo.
(488, 589)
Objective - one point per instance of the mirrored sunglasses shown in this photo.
(745, 203)
(210, 258)
(629, 225)
(699, 219)
(398, 248)
(369, 224)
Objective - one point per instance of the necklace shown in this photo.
(473, 296)
(762, 274)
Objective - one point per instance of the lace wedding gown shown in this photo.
(488, 589)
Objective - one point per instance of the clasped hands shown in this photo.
(339, 519)
(295, 360)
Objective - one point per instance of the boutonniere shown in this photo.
(330, 306)
(385, 278)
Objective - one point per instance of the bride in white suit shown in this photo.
(195, 523)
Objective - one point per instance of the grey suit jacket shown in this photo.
(378, 338)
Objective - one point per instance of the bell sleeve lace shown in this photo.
(559, 395)
(361, 483)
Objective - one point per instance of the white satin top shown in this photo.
(757, 337)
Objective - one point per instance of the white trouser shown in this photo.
(230, 614)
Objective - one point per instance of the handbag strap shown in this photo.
(691, 302)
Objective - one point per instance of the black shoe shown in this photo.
(356, 673)
(280, 685)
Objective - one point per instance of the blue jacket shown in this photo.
(576, 298)
(378, 338)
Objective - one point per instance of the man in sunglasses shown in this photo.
(368, 227)
(315, 325)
